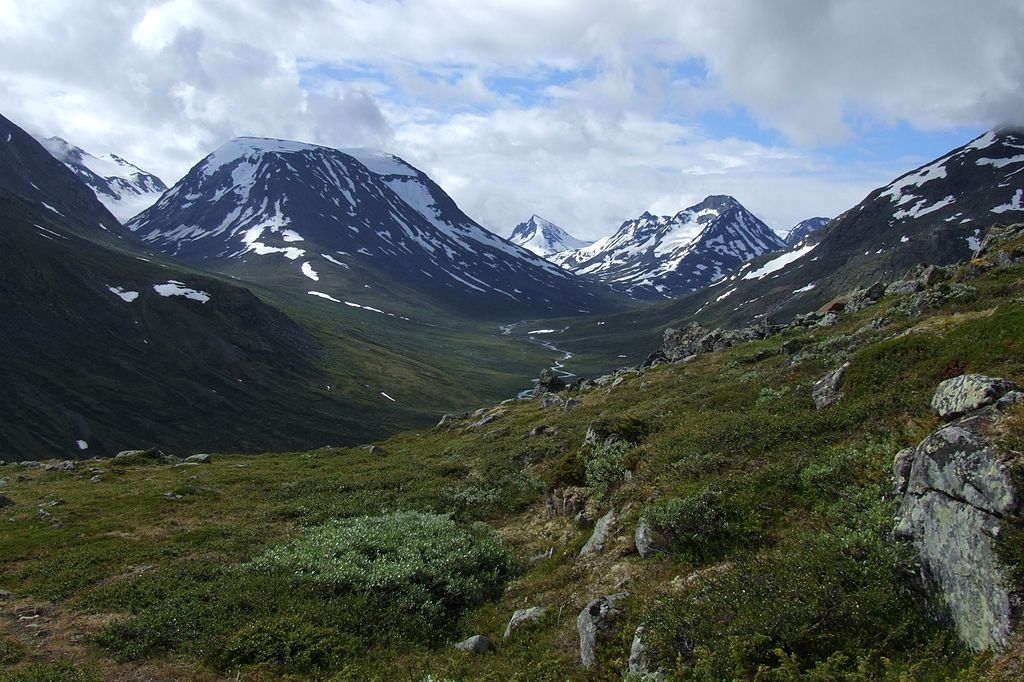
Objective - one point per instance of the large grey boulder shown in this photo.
(826, 389)
(958, 494)
(549, 381)
(969, 392)
(603, 531)
(477, 644)
(599, 619)
(202, 458)
(523, 617)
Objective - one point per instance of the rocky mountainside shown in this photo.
(125, 189)
(335, 223)
(933, 214)
(107, 346)
(803, 228)
(543, 237)
(667, 256)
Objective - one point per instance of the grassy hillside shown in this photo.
(351, 563)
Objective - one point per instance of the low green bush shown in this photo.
(605, 467)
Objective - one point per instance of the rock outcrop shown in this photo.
(957, 496)
(826, 389)
(522, 617)
(603, 530)
(599, 619)
(967, 393)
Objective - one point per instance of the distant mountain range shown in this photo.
(125, 189)
(331, 222)
(544, 238)
(667, 256)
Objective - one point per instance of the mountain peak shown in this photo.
(543, 237)
(654, 257)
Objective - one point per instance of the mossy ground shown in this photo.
(786, 571)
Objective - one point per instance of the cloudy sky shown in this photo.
(586, 112)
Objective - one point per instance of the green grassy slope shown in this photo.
(787, 570)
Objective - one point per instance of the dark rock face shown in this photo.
(957, 495)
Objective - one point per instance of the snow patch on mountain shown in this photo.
(124, 188)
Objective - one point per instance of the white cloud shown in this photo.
(584, 112)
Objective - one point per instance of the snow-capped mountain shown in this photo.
(125, 189)
(804, 228)
(333, 222)
(934, 214)
(667, 256)
(544, 238)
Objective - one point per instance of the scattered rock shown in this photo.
(200, 458)
(826, 389)
(648, 541)
(791, 346)
(551, 400)
(969, 392)
(6, 501)
(829, 320)
(549, 382)
(641, 659)
(538, 430)
(598, 620)
(603, 530)
(96, 479)
(66, 465)
(570, 403)
(450, 421)
(172, 496)
(541, 556)
(7, 596)
(568, 501)
(958, 495)
(524, 617)
(903, 287)
(901, 465)
(42, 514)
(487, 419)
(29, 464)
(477, 644)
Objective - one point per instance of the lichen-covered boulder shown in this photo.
(958, 494)
(968, 392)
(648, 541)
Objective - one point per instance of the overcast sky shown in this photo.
(587, 112)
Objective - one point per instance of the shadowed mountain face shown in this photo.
(668, 256)
(315, 218)
(106, 347)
